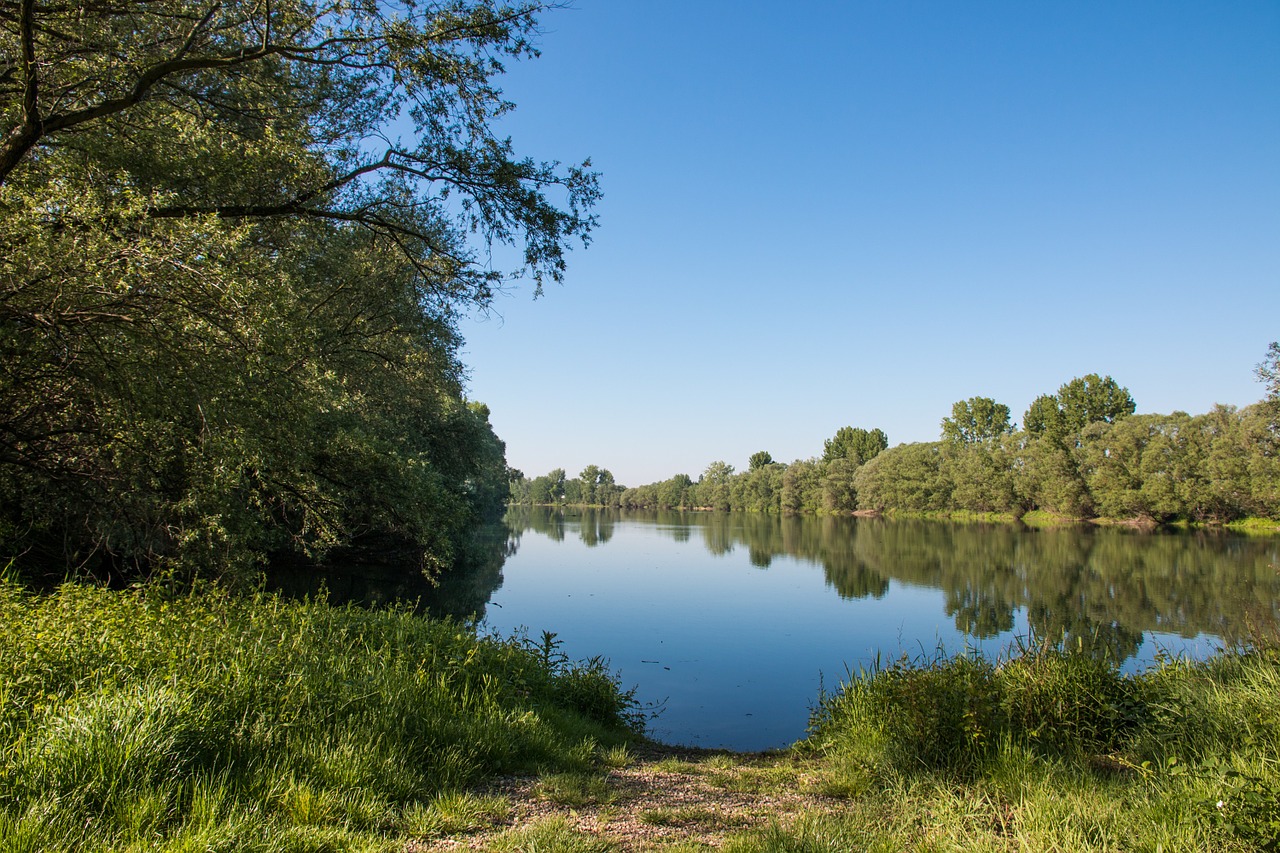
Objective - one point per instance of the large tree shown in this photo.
(237, 237)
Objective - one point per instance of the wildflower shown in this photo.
(1221, 803)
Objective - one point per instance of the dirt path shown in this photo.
(663, 795)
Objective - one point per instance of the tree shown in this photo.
(759, 460)
(607, 490)
(275, 80)
(229, 302)
(1078, 403)
(839, 493)
(1268, 373)
(674, 492)
(713, 486)
(802, 488)
(857, 445)
(1044, 417)
(1090, 399)
(589, 477)
(975, 420)
(981, 475)
(908, 477)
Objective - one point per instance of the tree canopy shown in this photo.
(855, 444)
(1078, 403)
(238, 236)
(976, 419)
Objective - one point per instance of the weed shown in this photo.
(575, 790)
(553, 835)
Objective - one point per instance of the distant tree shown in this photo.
(589, 477)
(713, 488)
(674, 492)
(607, 491)
(981, 475)
(1043, 417)
(976, 419)
(802, 487)
(1268, 373)
(838, 491)
(908, 477)
(759, 460)
(1078, 403)
(717, 473)
(858, 445)
(549, 488)
(1091, 399)
(1046, 475)
(573, 492)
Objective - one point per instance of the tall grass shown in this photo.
(1065, 751)
(204, 722)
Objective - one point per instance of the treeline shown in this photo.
(229, 294)
(1081, 453)
(593, 487)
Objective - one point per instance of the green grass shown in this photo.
(699, 817)
(1048, 750)
(1260, 526)
(576, 790)
(552, 835)
(148, 721)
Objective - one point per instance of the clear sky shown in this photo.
(819, 214)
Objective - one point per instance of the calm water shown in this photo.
(731, 624)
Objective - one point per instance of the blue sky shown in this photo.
(820, 214)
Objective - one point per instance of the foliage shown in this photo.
(228, 297)
(1078, 403)
(975, 420)
(858, 445)
(907, 477)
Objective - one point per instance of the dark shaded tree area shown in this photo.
(229, 293)
(1082, 453)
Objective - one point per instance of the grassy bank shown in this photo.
(145, 721)
(141, 721)
(1042, 519)
(1046, 752)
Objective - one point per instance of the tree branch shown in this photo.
(24, 137)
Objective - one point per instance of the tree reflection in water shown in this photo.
(1095, 589)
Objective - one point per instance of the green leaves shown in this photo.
(227, 295)
(1078, 403)
(976, 419)
(857, 444)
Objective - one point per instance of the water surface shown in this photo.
(731, 624)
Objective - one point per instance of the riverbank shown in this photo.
(1252, 525)
(1044, 752)
(147, 720)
